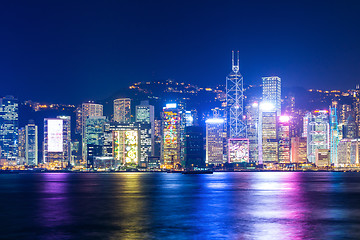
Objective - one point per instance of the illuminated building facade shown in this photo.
(355, 152)
(235, 102)
(94, 137)
(122, 110)
(9, 121)
(171, 138)
(31, 146)
(252, 116)
(284, 139)
(299, 150)
(268, 142)
(238, 150)
(349, 128)
(343, 151)
(132, 143)
(145, 116)
(57, 142)
(318, 132)
(322, 157)
(90, 109)
(272, 92)
(21, 145)
(215, 141)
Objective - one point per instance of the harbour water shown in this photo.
(237, 205)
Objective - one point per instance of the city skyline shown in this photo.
(85, 58)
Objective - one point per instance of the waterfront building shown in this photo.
(94, 137)
(318, 132)
(284, 139)
(268, 142)
(9, 121)
(31, 144)
(215, 141)
(145, 115)
(194, 147)
(57, 142)
(122, 110)
(343, 151)
(355, 152)
(349, 128)
(238, 150)
(298, 150)
(21, 145)
(171, 140)
(322, 157)
(272, 92)
(90, 109)
(252, 116)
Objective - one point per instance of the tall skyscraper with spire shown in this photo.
(235, 101)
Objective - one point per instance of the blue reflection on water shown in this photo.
(248, 205)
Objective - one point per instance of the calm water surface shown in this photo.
(254, 205)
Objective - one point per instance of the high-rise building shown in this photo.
(322, 157)
(318, 132)
(57, 142)
(122, 110)
(349, 129)
(235, 102)
(298, 150)
(90, 109)
(9, 129)
(252, 116)
(144, 114)
(194, 147)
(94, 137)
(268, 141)
(284, 139)
(31, 146)
(345, 113)
(272, 92)
(21, 145)
(78, 114)
(355, 152)
(215, 141)
(343, 151)
(171, 140)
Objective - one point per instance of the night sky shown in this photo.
(72, 51)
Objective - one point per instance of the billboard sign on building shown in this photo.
(55, 135)
(126, 146)
(238, 150)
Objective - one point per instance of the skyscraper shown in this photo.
(318, 132)
(90, 109)
(215, 141)
(235, 102)
(57, 142)
(252, 117)
(194, 147)
(284, 139)
(268, 142)
(171, 140)
(272, 92)
(31, 144)
(9, 129)
(122, 110)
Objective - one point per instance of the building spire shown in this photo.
(236, 67)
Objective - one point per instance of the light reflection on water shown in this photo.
(249, 205)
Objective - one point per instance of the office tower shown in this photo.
(345, 112)
(171, 140)
(268, 142)
(90, 109)
(194, 147)
(236, 126)
(215, 141)
(343, 151)
(252, 116)
(284, 139)
(189, 120)
(21, 145)
(349, 128)
(272, 92)
(318, 132)
(78, 114)
(157, 137)
(355, 152)
(31, 149)
(336, 132)
(57, 142)
(9, 129)
(298, 150)
(144, 114)
(94, 137)
(357, 115)
(322, 157)
(122, 110)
